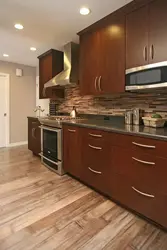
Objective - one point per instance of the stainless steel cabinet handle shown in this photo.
(94, 171)
(145, 53)
(99, 83)
(144, 162)
(96, 83)
(142, 145)
(152, 51)
(93, 135)
(72, 130)
(98, 148)
(144, 194)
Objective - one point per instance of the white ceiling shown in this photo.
(47, 24)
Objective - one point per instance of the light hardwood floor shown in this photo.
(41, 210)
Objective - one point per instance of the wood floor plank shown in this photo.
(41, 210)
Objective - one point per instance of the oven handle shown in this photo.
(48, 159)
(50, 129)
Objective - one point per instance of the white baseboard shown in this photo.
(18, 144)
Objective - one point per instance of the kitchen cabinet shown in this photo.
(71, 150)
(137, 38)
(51, 63)
(146, 34)
(34, 135)
(131, 170)
(102, 58)
(87, 156)
(89, 63)
(158, 31)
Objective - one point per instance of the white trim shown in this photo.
(8, 108)
(18, 144)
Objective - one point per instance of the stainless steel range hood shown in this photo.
(70, 73)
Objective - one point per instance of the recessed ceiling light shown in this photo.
(19, 26)
(33, 49)
(84, 11)
(5, 55)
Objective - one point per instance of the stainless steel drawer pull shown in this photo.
(144, 162)
(71, 130)
(94, 135)
(142, 145)
(98, 148)
(96, 83)
(94, 171)
(144, 194)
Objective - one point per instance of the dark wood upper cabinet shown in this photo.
(137, 38)
(89, 62)
(158, 31)
(146, 35)
(51, 63)
(112, 57)
(102, 59)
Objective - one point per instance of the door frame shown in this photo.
(8, 107)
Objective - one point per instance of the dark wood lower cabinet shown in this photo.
(34, 135)
(140, 198)
(113, 165)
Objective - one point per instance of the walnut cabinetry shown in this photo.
(146, 34)
(129, 169)
(51, 63)
(34, 135)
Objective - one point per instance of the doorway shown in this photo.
(4, 110)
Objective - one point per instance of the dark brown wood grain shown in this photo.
(137, 38)
(112, 56)
(158, 31)
(89, 63)
(72, 150)
(34, 135)
(50, 64)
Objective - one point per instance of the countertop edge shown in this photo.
(119, 131)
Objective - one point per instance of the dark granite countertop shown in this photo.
(119, 127)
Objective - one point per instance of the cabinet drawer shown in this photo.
(96, 178)
(139, 198)
(143, 145)
(150, 169)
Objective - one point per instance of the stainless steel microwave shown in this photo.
(150, 76)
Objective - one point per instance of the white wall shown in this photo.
(44, 103)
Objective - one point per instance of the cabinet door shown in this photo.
(112, 57)
(45, 74)
(137, 38)
(158, 31)
(71, 150)
(34, 136)
(89, 63)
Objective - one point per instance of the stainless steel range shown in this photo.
(51, 142)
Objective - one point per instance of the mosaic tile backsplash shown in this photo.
(112, 104)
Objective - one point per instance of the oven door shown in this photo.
(51, 143)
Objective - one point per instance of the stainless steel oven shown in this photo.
(147, 77)
(51, 148)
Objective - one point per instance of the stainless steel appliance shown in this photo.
(51, 148)
(70, 73)
(128, 117)
(150, 76)
(51, 142)
(137, 116)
